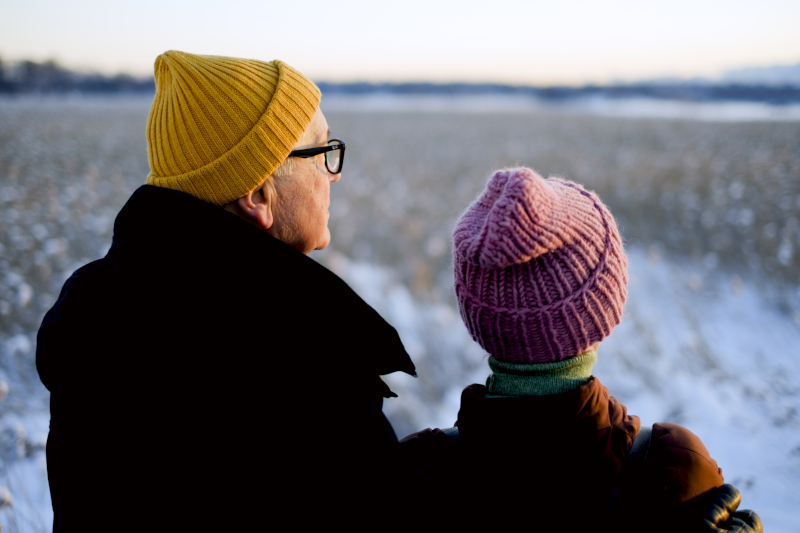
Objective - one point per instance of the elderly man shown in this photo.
(205, 374)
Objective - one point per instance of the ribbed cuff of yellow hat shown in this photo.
(220, 126)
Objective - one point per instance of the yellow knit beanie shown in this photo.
(220, 125)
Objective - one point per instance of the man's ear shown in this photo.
(256, 208)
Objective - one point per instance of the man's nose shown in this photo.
(335, 177)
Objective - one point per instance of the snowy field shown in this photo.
(639, 107)
(709, 208)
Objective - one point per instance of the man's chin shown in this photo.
(325, 242)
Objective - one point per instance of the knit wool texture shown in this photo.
(540, 379)
(540, 271)
(219, 126)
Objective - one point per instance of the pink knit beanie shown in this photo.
(540, 271)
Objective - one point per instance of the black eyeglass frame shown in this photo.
(305, 153)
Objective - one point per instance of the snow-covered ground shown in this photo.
(24, 473)
(696, 347)
(639, 107)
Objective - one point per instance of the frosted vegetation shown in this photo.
(710, 212)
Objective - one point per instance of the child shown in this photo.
(540, 278)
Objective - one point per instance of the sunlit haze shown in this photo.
(530, 42)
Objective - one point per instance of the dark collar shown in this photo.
(159, 227)
(585, 409)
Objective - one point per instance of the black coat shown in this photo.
(205, 375)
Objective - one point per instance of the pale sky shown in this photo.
(503, 41)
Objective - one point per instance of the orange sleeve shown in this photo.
(679, 465)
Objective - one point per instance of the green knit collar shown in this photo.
(540, 379)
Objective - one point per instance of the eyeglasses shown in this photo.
(334, 154)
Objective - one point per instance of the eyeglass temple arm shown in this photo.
(305, 153)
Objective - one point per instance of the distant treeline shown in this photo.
(29, 77)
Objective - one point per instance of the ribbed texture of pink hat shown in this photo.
(540, 271)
